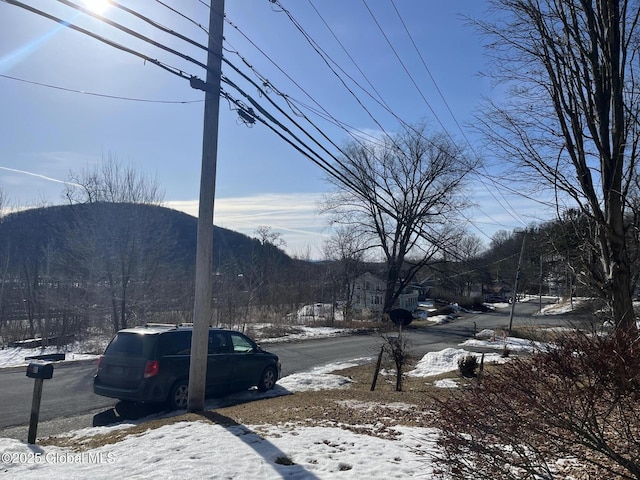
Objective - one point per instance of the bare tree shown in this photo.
(401, 195)
(345, 249)
(467, 250)
(571, 118)
(577, 400)
(114, 182)
(117, 248)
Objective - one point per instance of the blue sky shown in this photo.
(47, 132)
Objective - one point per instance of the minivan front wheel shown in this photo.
(179, 395)
(268, 379)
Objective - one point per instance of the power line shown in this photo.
(413, 81)
(325, 58)
(344, 49)
(337, 174)
(176, 71)
(138, 35)
(268, 84)
(224, 79)
(170, 50)
(323, 113)
(84, 92)
(424, 64)
(182, 15)
(328, 61)
(511, 211)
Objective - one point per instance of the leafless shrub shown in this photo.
(575, 401)
(397, 349)
(467, 366)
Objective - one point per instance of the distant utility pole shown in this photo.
(515, 286)
(204, 249)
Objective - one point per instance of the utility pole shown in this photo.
(540, 287)
(515, 287)
(204, 249)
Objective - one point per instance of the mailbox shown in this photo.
(40, 370)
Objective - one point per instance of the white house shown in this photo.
(368, 293)
(408, 300)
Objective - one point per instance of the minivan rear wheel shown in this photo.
(268, 379)
(179, 395)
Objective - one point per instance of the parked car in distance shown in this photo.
(151, 364)
(493, 298)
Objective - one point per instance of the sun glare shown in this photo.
(97, 6)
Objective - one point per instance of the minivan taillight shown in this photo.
(99, 362)
(151, 368)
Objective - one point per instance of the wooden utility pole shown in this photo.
(204, 249)
(515, 286)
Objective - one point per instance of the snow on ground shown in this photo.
(203, 450)
(560, 308)
(501, 342)
(304, 332)
(17, 356)
(444, 361)
(198, 449)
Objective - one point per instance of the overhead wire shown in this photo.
(137, 35)
(182, 74)
(129, 50)
(324, 56)
(349, 56)
(406, 70)
(361, 193)
(182, 15)
(322, 112)
(328, 60)
(415, 84)
(512, 212)
(224, 79)
(323, 165)
(176, 71)
(288, 98)
(427, 103)
(103, 95)
(170, 50)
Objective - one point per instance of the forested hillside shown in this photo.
(64, 268)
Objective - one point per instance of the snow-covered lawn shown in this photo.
(201, 449)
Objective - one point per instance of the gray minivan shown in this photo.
(151, 364)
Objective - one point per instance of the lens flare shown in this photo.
(97, 6)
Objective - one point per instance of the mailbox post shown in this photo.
(40, 372)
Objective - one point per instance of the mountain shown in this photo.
(41, 231)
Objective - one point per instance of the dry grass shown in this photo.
(354, 408)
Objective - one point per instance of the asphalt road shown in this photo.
(68, 401)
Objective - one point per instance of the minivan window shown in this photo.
(218, 343)
(241, 344)
(175, 343)
(125, 344)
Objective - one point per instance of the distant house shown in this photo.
(498, 290)
(424, 287)
(408, 300)
(368, 293)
